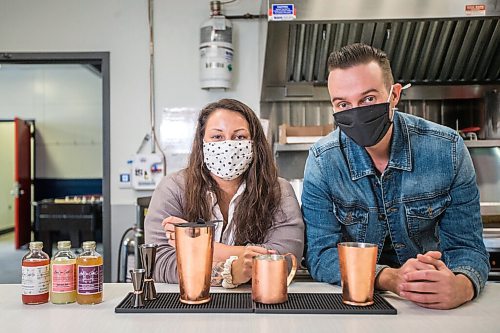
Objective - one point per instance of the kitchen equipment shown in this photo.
(357, 272)
(447, 49)
(469, 133)
(148, 259)
(297, 185)
(132, 238)
(216, 50)
(492, 114)
(270, 278)
(78, 218)
(441, 43)
(486, 159)
(194, 243)
(491, 239)
(137, 276)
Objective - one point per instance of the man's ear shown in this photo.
(396, 94)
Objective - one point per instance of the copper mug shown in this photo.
(270, 278)
(357, 272)
(194, 243)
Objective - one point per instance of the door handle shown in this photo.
(16, 191)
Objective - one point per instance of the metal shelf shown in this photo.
(490, 209)
(482, 143)
(305, 146)
(292, 147)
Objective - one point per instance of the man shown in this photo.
(395, 180)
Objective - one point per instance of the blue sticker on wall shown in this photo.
(282, 12)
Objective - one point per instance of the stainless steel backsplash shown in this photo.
(296, 113)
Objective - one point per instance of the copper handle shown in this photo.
(291, 275)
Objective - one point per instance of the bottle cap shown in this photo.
(64, 245)
(88, 245)
(36, 245)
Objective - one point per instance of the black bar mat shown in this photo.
(169, 303)
(325, 304)
(306, 303)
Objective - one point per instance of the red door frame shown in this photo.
(22, 177)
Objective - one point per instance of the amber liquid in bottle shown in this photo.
(35, 275)
(89, 275)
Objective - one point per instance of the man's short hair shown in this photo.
(359, 54)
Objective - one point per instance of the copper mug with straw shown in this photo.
(270, 278)
(194, 243)
(357, 272)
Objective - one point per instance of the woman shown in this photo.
(239, 186)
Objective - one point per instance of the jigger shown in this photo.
(148, 259)
(137, 276)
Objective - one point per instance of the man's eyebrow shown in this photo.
(369, 91)
(363, 93)
(337, 99)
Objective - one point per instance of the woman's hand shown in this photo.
(223, 251)
(168, 225)
(241, 270)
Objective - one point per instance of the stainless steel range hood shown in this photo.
(429, 43)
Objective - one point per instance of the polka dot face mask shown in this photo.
(228, 159)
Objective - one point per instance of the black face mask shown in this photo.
(366, 125)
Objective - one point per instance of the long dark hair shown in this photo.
(253, 216)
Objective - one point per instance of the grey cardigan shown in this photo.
(286, 235)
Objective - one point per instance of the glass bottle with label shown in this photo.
(89, 275)
(35, 275)
(63, 275)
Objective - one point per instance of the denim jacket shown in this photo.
(426, 199)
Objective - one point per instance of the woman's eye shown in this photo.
(241, 137)
(217, 137)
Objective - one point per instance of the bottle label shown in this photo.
(63, 278)
(35, 280)
(89, 279)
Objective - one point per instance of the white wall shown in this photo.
(6, 174)
(177, 34)
(66, 103)
(120, 27)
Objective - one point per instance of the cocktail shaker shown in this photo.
(357, 263)
(194, 243)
